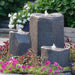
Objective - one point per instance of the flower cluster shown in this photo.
(13, 66)
(72, 49)
(8, 65)
(4, 48)
(73, 66)
(18, 19)
(30, 58)
(29, 63)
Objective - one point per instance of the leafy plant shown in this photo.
(29, 63)
(13, 66)
(4, 49)
(72, 49)
(66, 7)
(31, 58)
(4, 55)
(73, 67)
(18, 19)
(67, 68)
(8, 6)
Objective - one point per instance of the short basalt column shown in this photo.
(60, 55)
(19, 43)
(46, 30)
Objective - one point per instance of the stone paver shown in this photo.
(67, 73)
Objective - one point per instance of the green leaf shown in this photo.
(2, 14)
(2, 3)
(58, 9)
(0, 9)
(46, 7)
(71, 12)
(11, 0)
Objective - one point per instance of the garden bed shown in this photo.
(14, 74)
(67, 73)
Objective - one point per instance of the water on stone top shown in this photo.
(49, 15)
(55, 49)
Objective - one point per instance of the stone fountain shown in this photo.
(54, 54)
(45, 30)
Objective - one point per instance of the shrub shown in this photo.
(4, 48)
(72, 49)
(18, 19)
(4, 55)
(65, 7)
(7, 6)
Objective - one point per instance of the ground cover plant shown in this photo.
(72, 50)
(12, 66)
(29, 63)
(4, 49)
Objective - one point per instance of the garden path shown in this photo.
(4, 34)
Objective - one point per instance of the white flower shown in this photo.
(28, 19)
(19, 21)
(11, 21)
(11, 59)
(35, 7)
(19, 13)
(24, 10)
(28, 14)
(10, 26)
(24, 21)
(15, 14)
(10, 18)
(9, 15)
(14, 17)
(26, 6)
(16, 25)
(19, 26)
(23, 15)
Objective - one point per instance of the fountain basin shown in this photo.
(60, 55)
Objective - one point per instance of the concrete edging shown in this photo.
(69, 33)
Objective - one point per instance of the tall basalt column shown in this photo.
(46, 30)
